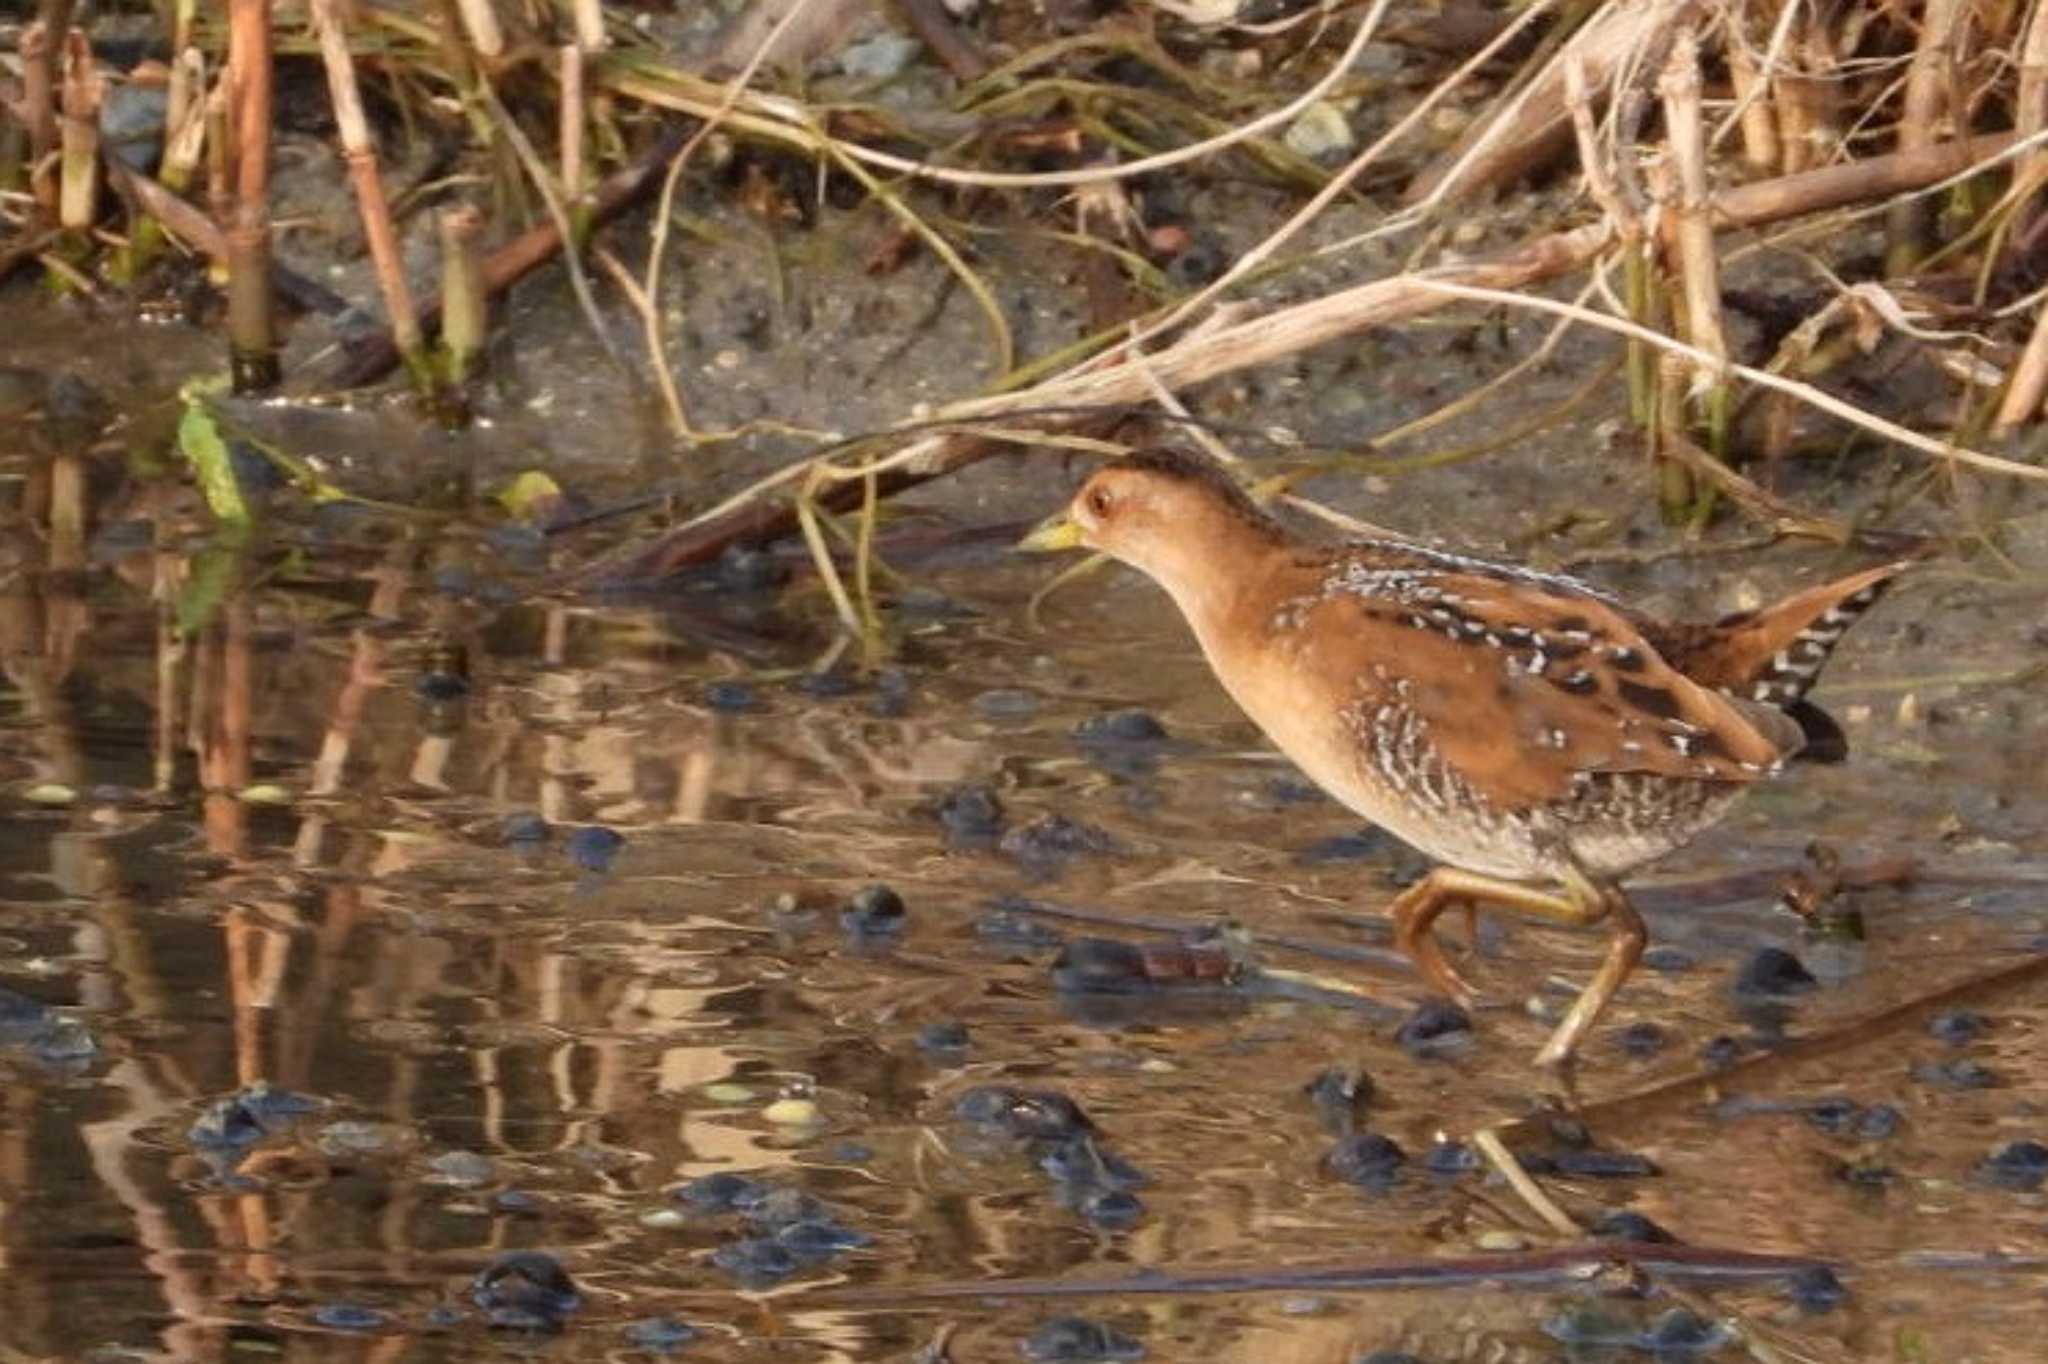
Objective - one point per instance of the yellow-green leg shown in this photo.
(1582, 901)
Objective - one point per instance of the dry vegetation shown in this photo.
(1701, 134)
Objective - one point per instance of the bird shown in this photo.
(1531, 734)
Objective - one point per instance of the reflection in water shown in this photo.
(276, 836)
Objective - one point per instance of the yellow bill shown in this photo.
(1056, 532)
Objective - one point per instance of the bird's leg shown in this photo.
(1624, 950)
(1583, 901)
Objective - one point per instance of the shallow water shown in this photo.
(297, 849)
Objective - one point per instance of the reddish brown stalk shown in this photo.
(252, 337)
(39, 110)
(371, 204)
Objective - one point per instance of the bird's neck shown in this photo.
(1217, 572)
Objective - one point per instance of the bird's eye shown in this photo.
(1098, 502)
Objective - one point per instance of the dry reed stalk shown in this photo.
(1923, 107)
(1806, 101)
(79, 135)
(2030, 115)
(587, 17)
(39, 111)
(1520, 132)
(570, 74)
(252, 338)
(480, 22)
(375, 210)
(465, 303)
(1759, 118)
(1692, 232)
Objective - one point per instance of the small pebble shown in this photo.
(1774, 973)
(1047, 842)
(1352, 847)
(1642, 1040)
(874, 911)
(1603, 1164)
(1366, 1159)
(1680, 1332)
(524, 829)
(971, 815)
(719, 1192)
(1006, 703)
(1077, 1340)
(1083, 1160)
(1502, 1242)
(1015, 928)
(1129, 726)
(829, 683)
(730, 697)
(947, 1037)
(659, 1334)
(348, 1316)
(2020, 1165)
(594, 847)
(1669, 960)
(1956, 1073)
(1111, 1209)
(441, 687)
(1957, 1027)
(792, 1113)
(755, 1259)
(1722, 1051)
(1022, 1114)
(1340, 1096)
(1622, 1225)
(525, 1290)
(1815, 1289)
(1452, 1158)
(1437, 1027)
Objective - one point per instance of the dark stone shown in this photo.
(1680, 1332)
(1387, 1357)
(1082, 1160)
(525, 829)
(1834, 1115)
(441, 687)
(1878, 1122)
(819, 1238)
(1340, 1096)
(1437, 1027)
(1101, 966)
(1603, 1164)
(1957, 1027)
(1957, 1073)
(1642, 1040)
(873, 911)
(525, 1290)
(1452, 1158)
(1366, 843)
(1366, 1159)
(1622, 1225)
(947, 1037)
(1669, 960)
(1015, 928)
(723, 1191)
(1022, 1114)
(1111, 1209)
(1047, 842)
(1077, 1340)
(971, 816)
(1722, 1051)
(756, 1260)
(1774, 973)
(594, 847)
(729, 696)
(2018, 1165)
(1128, 726)
(349, 1316)
(659, 1334)
(241, 1120)
(747, 568)
(827, 683)
(1815, 1289)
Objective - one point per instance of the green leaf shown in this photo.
(199, 440)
